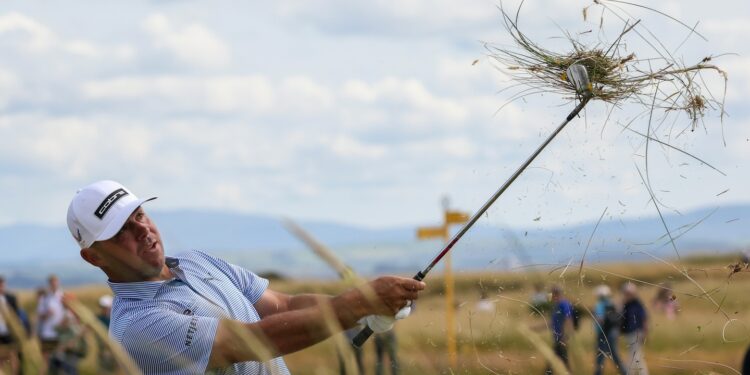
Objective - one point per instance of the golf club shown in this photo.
(576, 75)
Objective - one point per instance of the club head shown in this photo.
(579, 77)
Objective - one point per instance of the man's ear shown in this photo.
(90, 255)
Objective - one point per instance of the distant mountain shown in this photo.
(262, 244)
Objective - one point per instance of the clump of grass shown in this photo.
(615, 75)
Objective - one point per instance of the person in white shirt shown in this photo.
(51, 313)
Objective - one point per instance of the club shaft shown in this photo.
(366, 332)
(422, 274)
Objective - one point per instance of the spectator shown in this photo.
(665, 301)
(562, 324)
(485, 304)
(51, 313)
(608, 322)
(385, 344)
(71, 346)
(105, 306)
(106, 360)
(357, 351)
(8, 353)
(539, 300)
(634, 329)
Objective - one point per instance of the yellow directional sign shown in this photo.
(426, 233)
(456, 217)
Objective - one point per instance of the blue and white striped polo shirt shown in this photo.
(168, 327)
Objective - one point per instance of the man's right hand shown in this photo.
(383, 296)
(391, 294)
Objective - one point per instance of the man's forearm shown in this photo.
(301, 301)
(287, 332)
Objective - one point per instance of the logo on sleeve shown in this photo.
(109, 201)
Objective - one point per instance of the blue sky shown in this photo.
(357, 112)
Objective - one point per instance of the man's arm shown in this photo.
(292, 323)
(273, 302)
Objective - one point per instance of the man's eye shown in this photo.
(121, 231)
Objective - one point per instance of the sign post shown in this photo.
(443, 232)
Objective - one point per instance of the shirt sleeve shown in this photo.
(251, 285)
(162, 341)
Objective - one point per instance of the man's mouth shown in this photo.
(150, 245)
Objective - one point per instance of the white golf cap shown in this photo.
(602, 291)
(98, 211)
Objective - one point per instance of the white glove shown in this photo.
(384, 323)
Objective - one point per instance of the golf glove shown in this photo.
(383, 323)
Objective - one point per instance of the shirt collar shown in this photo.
(142, 289)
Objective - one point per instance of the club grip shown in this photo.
(361, 337)
(366, 332)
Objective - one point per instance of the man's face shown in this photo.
(54, 283)
(135, 252)
(555, 296)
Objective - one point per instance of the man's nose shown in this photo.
(140, 229)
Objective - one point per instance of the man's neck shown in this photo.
(164, 274)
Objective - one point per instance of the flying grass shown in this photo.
(29, 349)
(616, 76)
(126, 365)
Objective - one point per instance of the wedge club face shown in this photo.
(579, 77)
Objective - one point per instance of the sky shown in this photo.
(364, 113)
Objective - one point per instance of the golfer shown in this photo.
(193, 313)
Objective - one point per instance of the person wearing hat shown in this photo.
(193, 312)
(105, 309)
(606, 326)
(634, 329)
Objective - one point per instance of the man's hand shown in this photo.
(391, 294)
(383, 296)
(383, 323)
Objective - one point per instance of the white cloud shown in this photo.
(36, 37)
(421, 17)
(32, 36)
(411, 102)
(83, 48)
(215, 94)
(302, 94)
(348, 147)
(193, 44)
(8, 86)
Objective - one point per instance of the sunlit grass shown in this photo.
(700, 338)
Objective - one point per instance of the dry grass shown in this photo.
(660, 82)
(699, 339)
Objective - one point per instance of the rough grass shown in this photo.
(698, 341)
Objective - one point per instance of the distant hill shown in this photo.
(262, 244)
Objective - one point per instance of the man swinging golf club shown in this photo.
(193, 312)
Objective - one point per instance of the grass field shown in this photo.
(702, 339)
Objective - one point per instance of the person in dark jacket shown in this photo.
(634, 329)
(606, 326)
(561, 324)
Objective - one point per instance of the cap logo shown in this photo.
(79, 237)
(109, 201)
